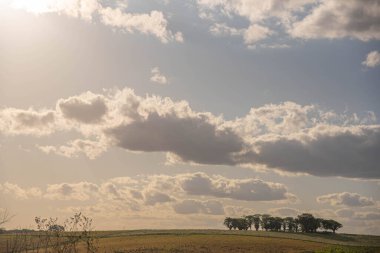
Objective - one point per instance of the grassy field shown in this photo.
(229, 241)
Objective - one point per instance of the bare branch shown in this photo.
(5, 217)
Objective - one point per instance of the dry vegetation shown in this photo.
(220, 241)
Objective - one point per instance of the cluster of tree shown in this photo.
(304, 223)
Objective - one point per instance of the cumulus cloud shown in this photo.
(307, 19)
(324, 151)
(286, 137)
(75, 191)
(346, 199)
(221, 29)
(157, 76)
(238, 189)
(306, 139)
(154, 197)
(19, 192)
(258, 13)
(158, 189)
(193, 139)
(251, 35)
(27, 122)
(87, 108)
(153, 23)
(191, 206)
(162, 125)
(372, 60)
(91, 149)
(338, 19)
(255, 33)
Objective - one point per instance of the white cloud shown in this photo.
(258, 13)
(346, 199)
(221, 29)
(255, 33)
(74, 191)
(91, 149)
(27, 122)
(372, 60)
(153, 23)
(338, 19)
(307, 19)
(157, 76)
(255, 10)
(19, 192)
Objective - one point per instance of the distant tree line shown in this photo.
(305, 222)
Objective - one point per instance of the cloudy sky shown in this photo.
(175, 114)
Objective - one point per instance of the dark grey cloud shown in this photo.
(193, 139)
(346, 152)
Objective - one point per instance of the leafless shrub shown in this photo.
(75, 233)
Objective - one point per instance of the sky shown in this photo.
(176, 114)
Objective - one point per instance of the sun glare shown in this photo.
(34, 6)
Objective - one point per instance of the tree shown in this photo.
(284, 225)
(228, 222)
(290, 224)
(5, 217)
(335, 225)
(308, 223)
(296, 224)
(331, 225)
(256, 221)
(242, 224)
(249, 219)
(266, 221)
(277, 223)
